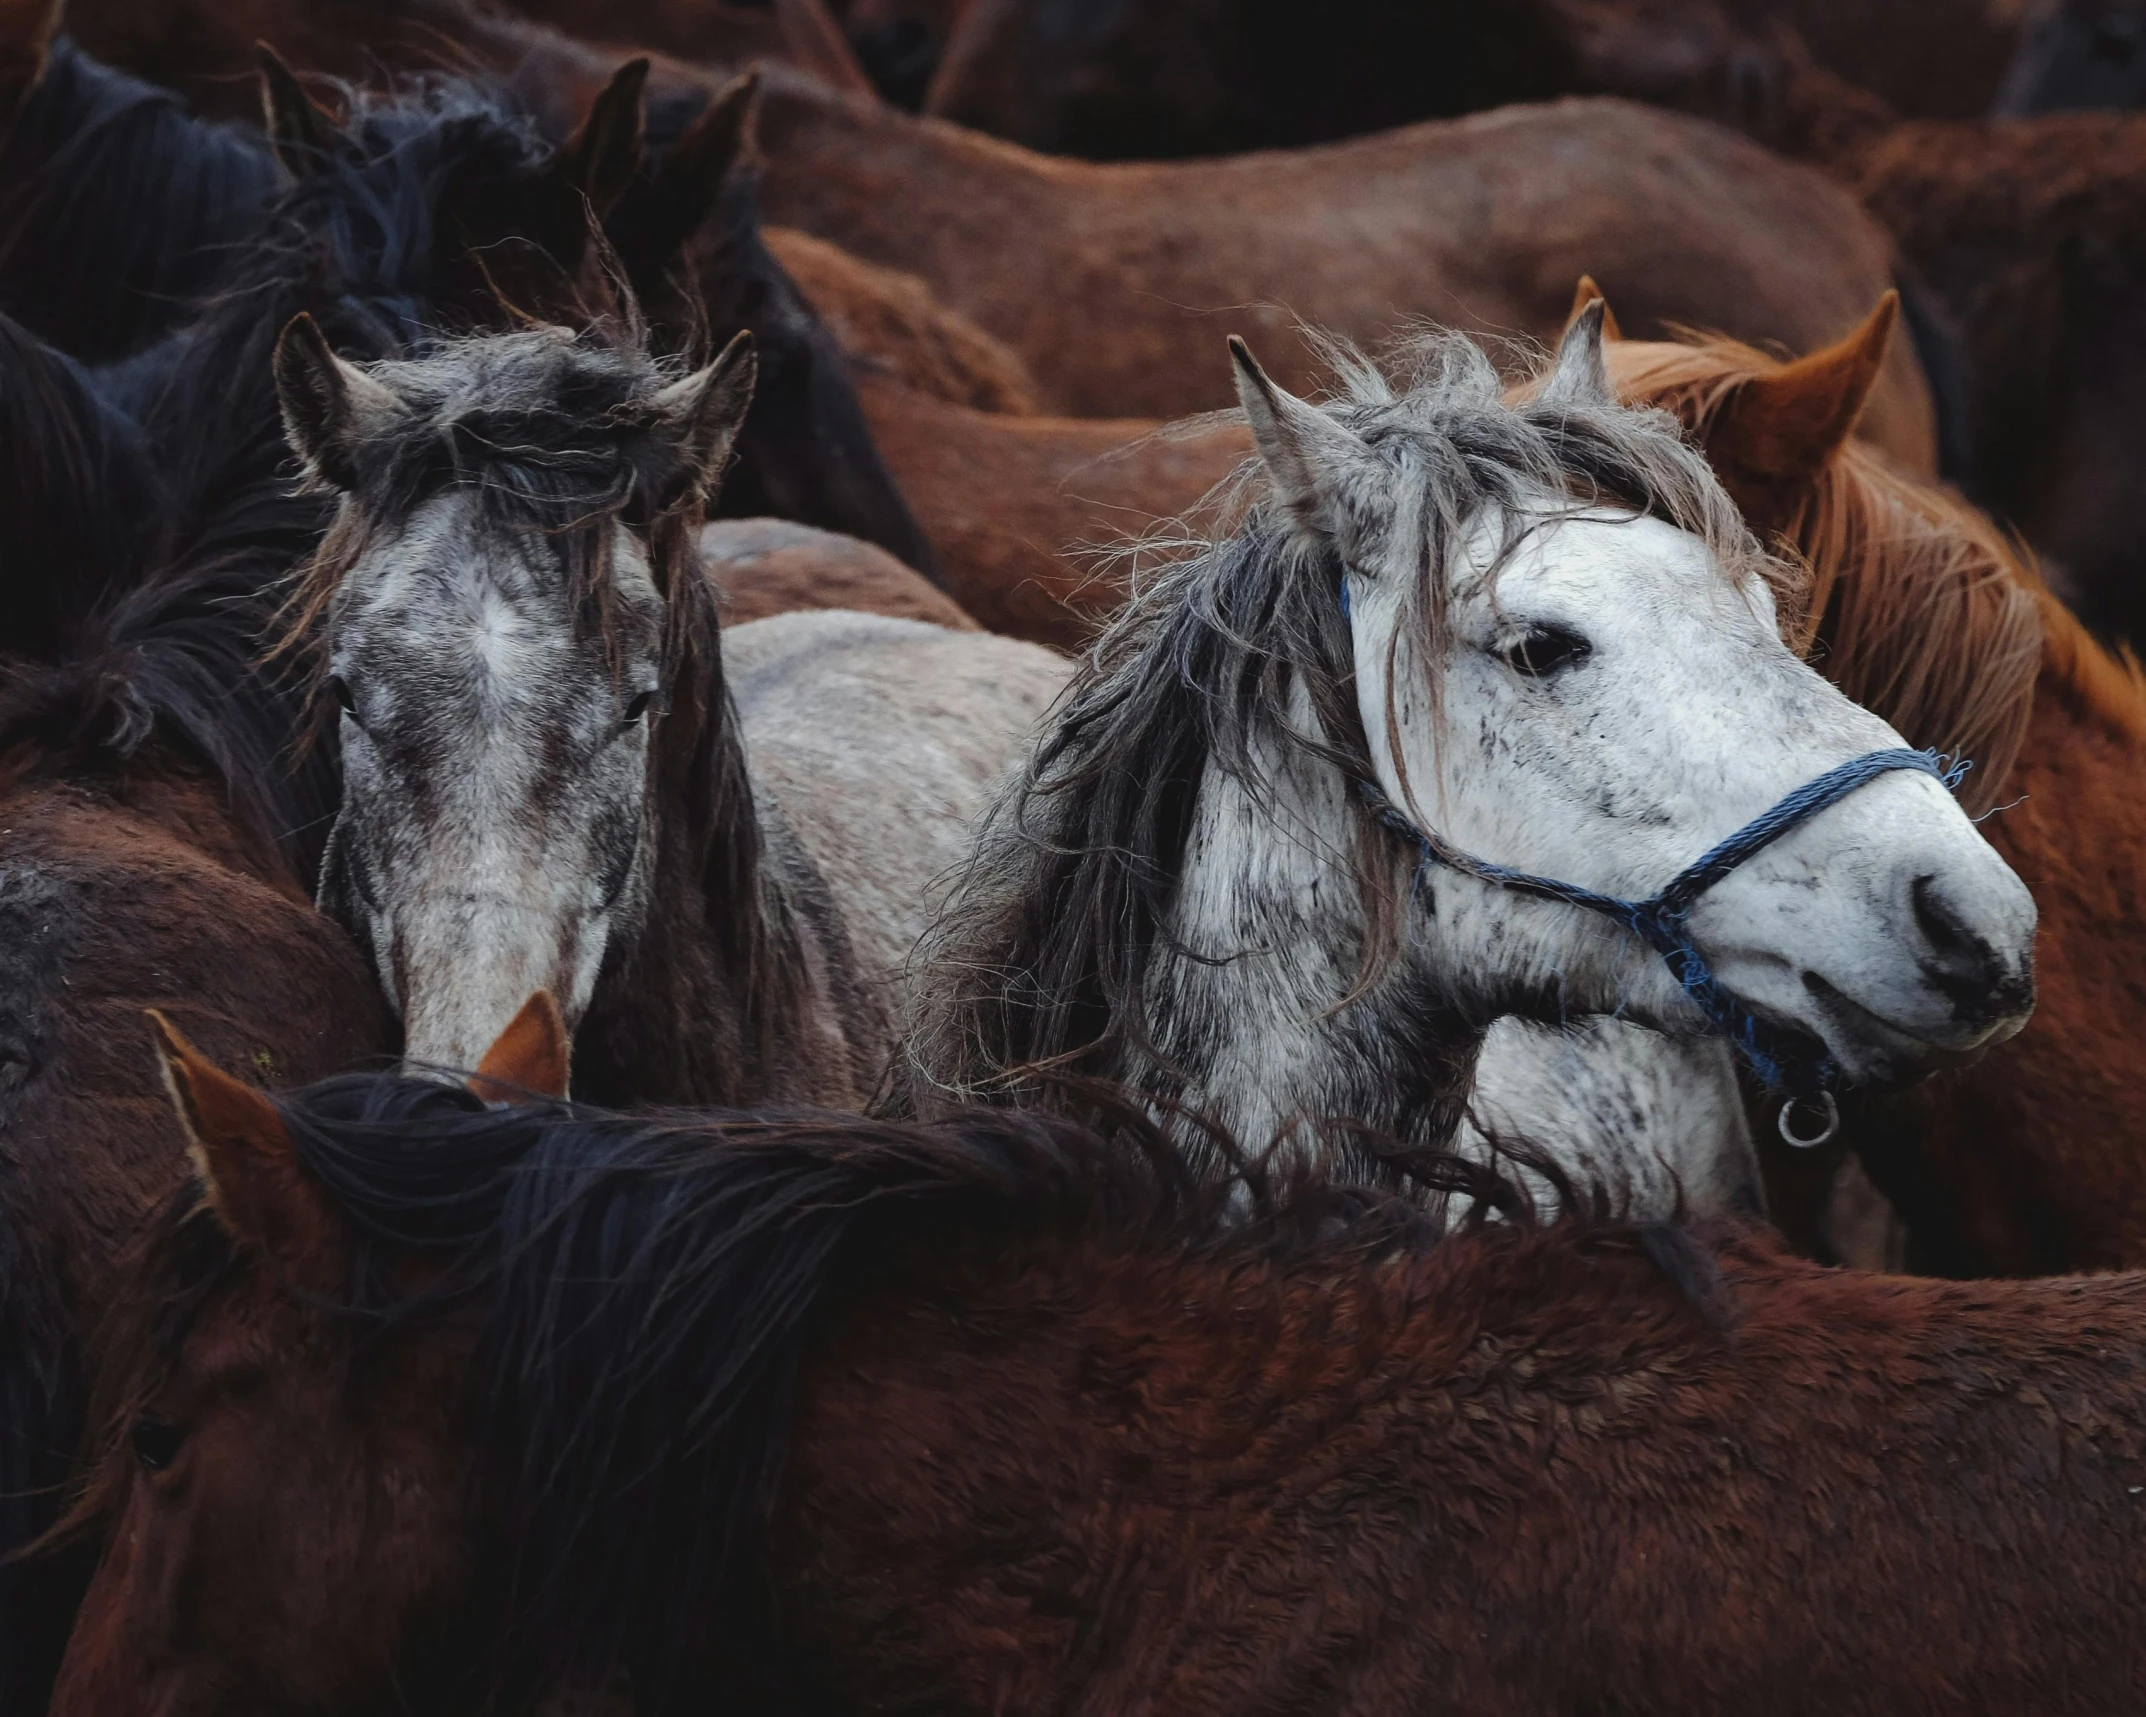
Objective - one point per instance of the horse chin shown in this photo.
(1873, 1049)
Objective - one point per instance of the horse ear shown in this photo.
(1310, 459)
(602, 158)
(708, 408)
(299, 130)
(1784, 426)
(26, 31)
(329, 407)
(248, 1165)
(691, 178)
(1578, 377)
(531, 1055)
(1588, 293)
(817, 44)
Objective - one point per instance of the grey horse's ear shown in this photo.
(330, 408)
(1314, 463)
(1579, 376)
(708, 408)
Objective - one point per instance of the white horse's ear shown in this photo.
(1579, 378)
(708, 408)
(330, 408)
(1313, 462)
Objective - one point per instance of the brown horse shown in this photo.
(771, 566)
(1125, 276)
(2030, 1159)
(810, 1413)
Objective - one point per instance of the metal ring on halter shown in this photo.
(1830, 1107)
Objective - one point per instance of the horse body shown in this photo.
(996, 1414)
(1113, 298)
(881, 740)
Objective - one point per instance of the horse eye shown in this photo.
(156, 1444)
(339, 690)
(1546, 649)
(640, 706)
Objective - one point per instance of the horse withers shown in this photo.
(424, 1404)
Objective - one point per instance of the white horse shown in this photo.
(1537, 634)
(714, 853)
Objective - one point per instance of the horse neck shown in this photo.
(1257, 994)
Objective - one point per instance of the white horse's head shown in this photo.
(1568, 661)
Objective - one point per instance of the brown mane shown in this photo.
(1923, 610)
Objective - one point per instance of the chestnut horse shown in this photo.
(422, 1403)
(2034, 1158)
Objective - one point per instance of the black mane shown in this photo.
(374, 243)
(119, 206)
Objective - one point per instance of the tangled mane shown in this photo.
(1921, 609)
(99, 274)
(371, 243)
(1042, 958)
(650, 1285)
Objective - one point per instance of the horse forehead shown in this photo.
(453, 579)
(1619, 563)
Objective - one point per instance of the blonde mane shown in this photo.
(1921, 609)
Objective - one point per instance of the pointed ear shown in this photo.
(686, 186)
(602, 158)
(817, 43)
(1783, 427)
(1578, 377)
(1588, 293)
(299, 130)
(255, 1182)
(531, 1055)
(708, 408)
(330, 408)
(1311, 460)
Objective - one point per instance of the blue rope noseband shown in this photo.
(1788, 1062)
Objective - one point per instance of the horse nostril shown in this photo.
(1940, 925)
(1981, 983)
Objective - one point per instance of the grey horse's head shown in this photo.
(500, 612)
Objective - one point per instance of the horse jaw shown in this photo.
(1885, 927)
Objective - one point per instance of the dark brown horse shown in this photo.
(420, 1401)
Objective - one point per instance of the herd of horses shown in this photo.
(763, 945)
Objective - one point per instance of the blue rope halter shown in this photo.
(1788, 1062)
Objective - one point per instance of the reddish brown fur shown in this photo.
(1108, 1471)
(892, 324)
(770, 566)
(1518, 1475)
(144, 893)
(1009, 503)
